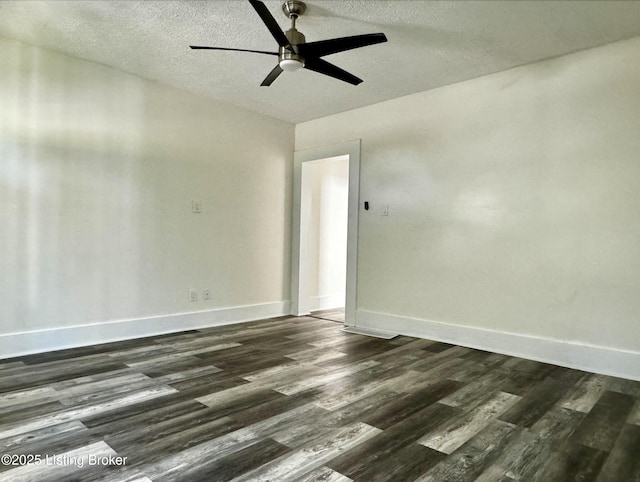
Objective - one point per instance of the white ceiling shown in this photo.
(431, 43)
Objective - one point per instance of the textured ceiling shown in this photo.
(431, 43)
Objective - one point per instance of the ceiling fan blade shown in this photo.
(273, 75)
(324, 67)
(335, 45)
(270, 22)
(197, 47)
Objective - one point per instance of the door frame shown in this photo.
(298, 238)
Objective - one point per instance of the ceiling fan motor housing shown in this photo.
(286, 56)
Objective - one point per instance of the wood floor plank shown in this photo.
(443, 369)
(518, 382)
(469, 370)
(175, 357)
(30, 411)
(281, 371)
(27, 397)
(535, 403)
(315, 355)
(325, 421)
(358, 461)
(210, 383)
(245, 401)
(601, 426)
(147, 413)
(160, 430)
(584, 394)
(180, 462)
(100, 381)
(188, 374)
(106, 391)
(432, 360)
(76, 413)
(494, 473)
(238, 463)
(529, 451)
(623, 463)
(627, 387)
(474, 457)
(361, 351)
(324, 474)
(292, 466)
(535, 369)
(35, 377)
(158, 445)
(359, 385)
(49, 434)
(407, 463)
(11, 364)
(438, 347)
(314, 381)
(408, 404)
(472, 394)
(453, 434)
(223, 396)
(85, 353)
(571, 461)
(634, 416)
(270, 407)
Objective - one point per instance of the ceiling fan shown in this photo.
(295, 53)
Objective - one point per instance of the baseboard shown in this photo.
(591, 358)
(326, 302)
(27, 343)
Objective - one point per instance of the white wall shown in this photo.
(327, 253)
(514, 209)
(98, 169)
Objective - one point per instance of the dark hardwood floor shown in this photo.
(298, 399)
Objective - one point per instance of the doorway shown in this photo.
(324, 219)
(324, 249)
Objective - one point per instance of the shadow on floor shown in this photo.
(336, 314)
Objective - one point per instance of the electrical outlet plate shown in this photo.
(193, 295)
(206, 294)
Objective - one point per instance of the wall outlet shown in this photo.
(206, 294)
(193, 295)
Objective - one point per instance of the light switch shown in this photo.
(196, 206)
(385, 210)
